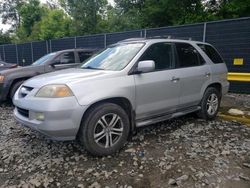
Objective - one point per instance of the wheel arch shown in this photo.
(123, 102)
(14, 81)
(217, 86)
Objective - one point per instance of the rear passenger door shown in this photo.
(157, 92)
(194, 73)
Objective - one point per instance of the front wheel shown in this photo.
(210, 104)
(104, 129)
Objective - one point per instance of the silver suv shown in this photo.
(131, 84)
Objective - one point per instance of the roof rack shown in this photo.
(132, 39)
(155, 37)
(168, 37)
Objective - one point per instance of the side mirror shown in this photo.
(56, 62)
(145, 66)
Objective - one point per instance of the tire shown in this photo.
(14, 88)
(96, 127)
(209, 109)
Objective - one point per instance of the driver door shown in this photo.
(157, 92)
(63, 61)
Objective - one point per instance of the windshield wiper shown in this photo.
(93, 68)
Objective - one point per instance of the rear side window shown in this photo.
(211, 53)
(187, 55)
(161, 54)
(84, 55)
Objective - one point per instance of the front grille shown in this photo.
(24, 91)
(23, 112)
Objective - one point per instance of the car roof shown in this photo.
(155, 40)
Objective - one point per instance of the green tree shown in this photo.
(30, 13)
(4, 38)
(85, 14)
(56, 24)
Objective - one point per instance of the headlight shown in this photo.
(54, 91)
(1, 78)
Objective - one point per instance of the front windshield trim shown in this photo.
(112, 46)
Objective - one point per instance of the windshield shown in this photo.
(44, 59)
(113, 58)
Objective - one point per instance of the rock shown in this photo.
(130, 150)
(35, 182)
(95, 185)
(236, 112)
(89, 171)
(244, 178)
(225, 152)
(80, 185)
(244, 164)
(171, 181)
(182, 178)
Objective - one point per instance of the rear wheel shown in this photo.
(210, 104)
(14, 88)
(104, 129)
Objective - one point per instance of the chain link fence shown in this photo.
(230, 37)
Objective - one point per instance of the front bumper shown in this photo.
(62, 116)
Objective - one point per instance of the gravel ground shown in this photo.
(185, 152)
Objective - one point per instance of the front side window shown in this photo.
(187, 55)
(161, 54)
(113, 58)
(211, 53)
(44, 59)
(67, 58)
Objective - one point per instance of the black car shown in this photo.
(11, 79)
(4, 65)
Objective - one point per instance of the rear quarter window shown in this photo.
(211, 53)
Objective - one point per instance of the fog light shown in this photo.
(39, 116)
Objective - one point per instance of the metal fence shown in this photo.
(230, 37)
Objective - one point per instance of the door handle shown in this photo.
(174, 79)
(208, 74)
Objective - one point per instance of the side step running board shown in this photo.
(141, 123)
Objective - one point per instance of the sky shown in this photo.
(5, 27)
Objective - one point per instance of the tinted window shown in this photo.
(67, 58)
(161, 54)
(211, 53)
(187, 55)
(84, 55)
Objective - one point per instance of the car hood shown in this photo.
(67, 76)
(20, 70)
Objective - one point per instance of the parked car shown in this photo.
(131, 84)
(4, 65)
(11, 79)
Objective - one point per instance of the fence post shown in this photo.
(50, 46)
(75, 41)
(204, 31)
(32, 57)
(105, 40)
(145, 33)
(3, 53)
(17, 60)
(47, 47)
